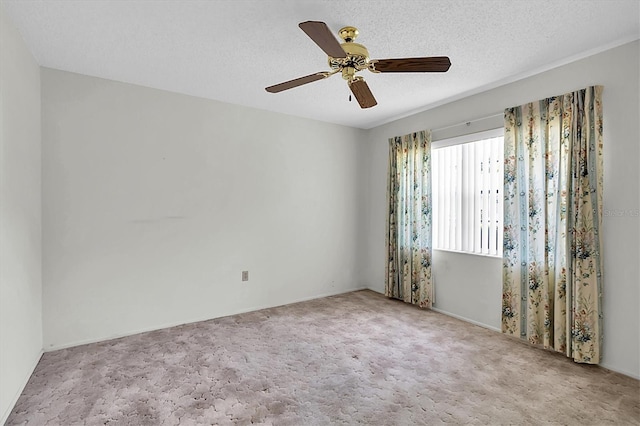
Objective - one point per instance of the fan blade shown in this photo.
(361, 91)
(430, 64)
(297, 82)
(322, 36)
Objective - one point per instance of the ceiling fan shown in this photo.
(350, 58)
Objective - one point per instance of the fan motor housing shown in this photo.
(357, 58)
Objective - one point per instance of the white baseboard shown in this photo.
(5, 415)
(474, 322)
(447, 313)
(616, 370)
(194, 320)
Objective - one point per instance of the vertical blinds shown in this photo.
(467, 196)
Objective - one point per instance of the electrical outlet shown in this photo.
(245, 275)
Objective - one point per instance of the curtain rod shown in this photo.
(468, 122)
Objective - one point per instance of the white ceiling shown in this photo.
(231, 50)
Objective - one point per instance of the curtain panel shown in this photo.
(408, 267)
(552, 261)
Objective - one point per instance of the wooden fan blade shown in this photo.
(361, 91)
(322, 36)
(296, 82)
(430, 64)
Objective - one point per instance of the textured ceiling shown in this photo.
(231, 50)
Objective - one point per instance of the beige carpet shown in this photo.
(357, 358)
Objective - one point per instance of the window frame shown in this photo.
(460, 140)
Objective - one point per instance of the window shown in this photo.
(467, 193)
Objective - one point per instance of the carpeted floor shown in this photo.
(356, 358)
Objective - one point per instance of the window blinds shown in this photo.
(467, 196)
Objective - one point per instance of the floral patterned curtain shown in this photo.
(552, 270)
(408, 270)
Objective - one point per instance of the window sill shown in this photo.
(492, 256)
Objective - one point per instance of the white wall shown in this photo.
(468, 287)
(154, 202)
(617, 70)
(20, 216)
